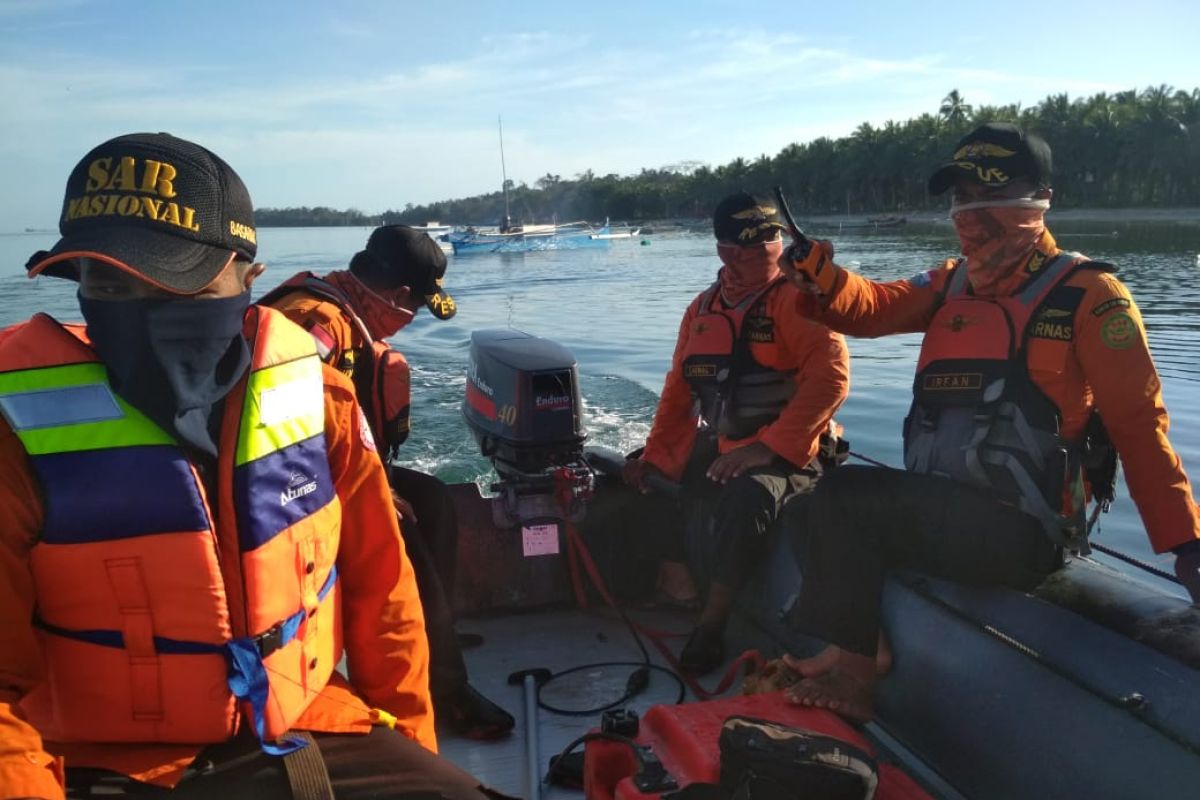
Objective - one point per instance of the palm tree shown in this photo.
(954, 109)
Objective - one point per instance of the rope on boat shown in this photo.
(1153, 570)
(871, 461)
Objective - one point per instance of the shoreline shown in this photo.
(1180, 216)
(1186, 216)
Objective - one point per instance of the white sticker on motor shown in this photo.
(539, 540)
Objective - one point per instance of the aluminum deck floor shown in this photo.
(556, 640)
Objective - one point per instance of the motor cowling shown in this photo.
(523, 407)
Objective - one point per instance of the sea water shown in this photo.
(618, 310)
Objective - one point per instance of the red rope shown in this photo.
(578, 554)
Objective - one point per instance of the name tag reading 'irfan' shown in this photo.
(539, 540)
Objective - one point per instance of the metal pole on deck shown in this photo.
(533, 771)
(530, 680)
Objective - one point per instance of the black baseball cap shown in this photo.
(160, 208)
(744, 218)
(996, 154)
(397, 255)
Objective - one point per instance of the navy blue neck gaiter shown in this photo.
(172, 359)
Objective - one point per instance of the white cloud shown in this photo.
(418, 132)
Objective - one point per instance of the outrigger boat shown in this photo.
(1087, 687)
(510, 238)
(531, 238)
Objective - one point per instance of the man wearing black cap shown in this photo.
(350, 315)
(745, 408)
(178, 480)
(1023, 342)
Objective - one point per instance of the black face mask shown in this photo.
(172, 359)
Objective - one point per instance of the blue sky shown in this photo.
(373, 105)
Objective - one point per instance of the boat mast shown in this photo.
(503, 173)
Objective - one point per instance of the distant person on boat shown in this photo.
(1023, 344)
(195, 525)
(351, 313)
(746, 406)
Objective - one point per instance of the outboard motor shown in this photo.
(522, 405)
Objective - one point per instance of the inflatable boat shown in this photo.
(1087, 687)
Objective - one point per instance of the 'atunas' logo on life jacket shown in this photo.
(298, 486)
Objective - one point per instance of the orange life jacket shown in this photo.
(159, 609)
(383, 384)
(735, 395)
(978, 417)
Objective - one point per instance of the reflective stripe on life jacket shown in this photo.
(735, 395)
(382, 383)
(978, 417)
(155, 614)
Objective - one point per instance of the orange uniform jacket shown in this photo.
(822, 365)
(1103, 362)
(311, 313)
(386, 648)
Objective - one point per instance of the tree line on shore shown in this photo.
(1120, 150)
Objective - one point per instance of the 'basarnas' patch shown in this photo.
(760, 329)
(1119, 332)
(1109, 305)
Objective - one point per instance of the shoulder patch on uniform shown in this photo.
(323, 339)
(1119, 332)
(1109, 305)
(1036, 262)
(364, 431)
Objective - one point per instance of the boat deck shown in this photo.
(557, 640)
(561, 639)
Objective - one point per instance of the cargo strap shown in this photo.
(248, 673)
(580, 559)
(306, 773)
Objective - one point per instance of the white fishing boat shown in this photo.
(439, 233)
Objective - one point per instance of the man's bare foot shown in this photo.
(838, 691)
(675, 582)
(828, 658)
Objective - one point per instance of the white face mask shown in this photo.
(1012, 202)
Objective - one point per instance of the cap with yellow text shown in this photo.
(995, 155)
(400, 255)
(160, 208)
(744, 218)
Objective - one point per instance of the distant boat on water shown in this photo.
(869, 223)
(532, 238)
(519, 238)
(627, 234)
(438, 232)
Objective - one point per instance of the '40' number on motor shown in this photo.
(507, 415)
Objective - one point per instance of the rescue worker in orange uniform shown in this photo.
(195, 525)
(750, 395)
(350, 315)
(1024, 344)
